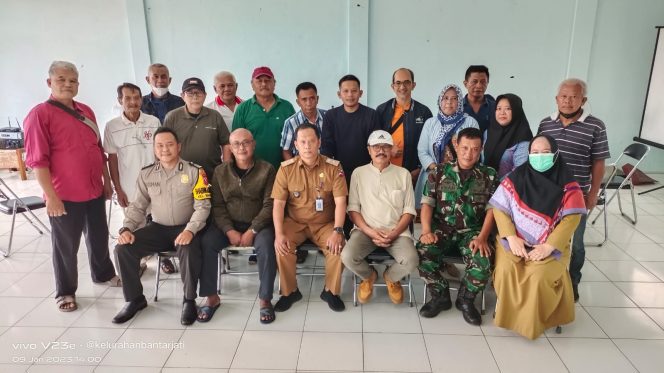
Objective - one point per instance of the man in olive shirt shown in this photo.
(242, 209)
(177, 191)
(201, 130)
(264, 115)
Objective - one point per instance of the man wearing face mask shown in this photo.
(453, 223)
(584, 147)
(159, 102)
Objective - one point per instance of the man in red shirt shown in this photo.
(63, 147)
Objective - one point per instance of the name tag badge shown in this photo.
(319, 204)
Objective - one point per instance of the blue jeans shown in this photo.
(578, 252)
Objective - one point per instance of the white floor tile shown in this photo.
(602, 294)
(64, 366)
(625, 271)
(100, 314)
(588, 355)
(90, 345)
(130, 349)
(22, 345)
(452, 322)
(13, 368)
(625, 323)
(644, 294)
(268, 350)
(379, 318)
(315, 351)
(126, 369)
(385, 352)
(591, 273)
(205, 349)
(646, 356)
(164, 314)
(607, 252)
(231, 315)
(48, 314)
(22, 262)
(32, 285)
(15, 308)
(652, 229)
(656, 314)
(291, 320)
(583, 326)
(459, 353)
(320, 318)
(656, 268)
(645, 251)
(195, 370)
(538, 353)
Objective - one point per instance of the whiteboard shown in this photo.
(652, 123)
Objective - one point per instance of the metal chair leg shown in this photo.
(11, 233)
(354, 290)
(156, 284)
(410, 291)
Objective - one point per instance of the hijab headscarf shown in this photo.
(450, 123)
(500, 138)
(537, 201)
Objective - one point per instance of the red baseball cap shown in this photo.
(262, 70)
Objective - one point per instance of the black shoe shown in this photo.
(575, 289)
(253, 259)
(189, 312)
(335, 303)
(130, 309)
(437, 304)
(286, 301)
(465, 303)
(301, 256)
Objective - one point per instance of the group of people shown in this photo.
(197, 178)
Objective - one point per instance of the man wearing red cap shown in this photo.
(264, 115)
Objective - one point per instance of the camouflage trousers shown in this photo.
(431, 268)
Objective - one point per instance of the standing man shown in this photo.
(453, 223)
(382, 205)
(226, 99)
(307, 100)
(477, 103)
(201, 130)
(128, 142)
(347, 127)
(264, 115)
(309, 203)
(177, 191)
(584, 147)
(159, 102)
(404, 118)
(63, 146)
(242, 210)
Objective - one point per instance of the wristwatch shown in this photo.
(339, 230)
(123, 229)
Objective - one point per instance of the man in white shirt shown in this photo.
(226, 100)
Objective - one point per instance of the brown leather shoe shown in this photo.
(394, 289)
(366, 287)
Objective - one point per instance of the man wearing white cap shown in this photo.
(381, 204)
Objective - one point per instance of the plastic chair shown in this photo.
(20, 205)
(381, 256)
(613, 180)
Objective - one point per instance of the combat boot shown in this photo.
(465, 303)
(439, 302)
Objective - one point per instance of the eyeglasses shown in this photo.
(405, 83)
(383, 147)
(450, 99)
(244, 144)
(194, 93)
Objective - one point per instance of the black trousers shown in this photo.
(154, 238)
(87, 218)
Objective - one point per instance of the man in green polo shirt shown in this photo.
(264, 115)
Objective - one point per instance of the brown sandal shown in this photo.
(67, 303)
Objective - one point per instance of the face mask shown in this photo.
(160, 91)
(541, 162)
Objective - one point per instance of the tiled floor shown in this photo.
(619, 323)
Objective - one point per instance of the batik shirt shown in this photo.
(459, 197)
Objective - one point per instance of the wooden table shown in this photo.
(13, 159)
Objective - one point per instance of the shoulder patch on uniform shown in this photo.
(148, 166)
(331, 161)
(288, 162)
(195, 165)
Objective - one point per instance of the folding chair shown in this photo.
(160, 255)
(224, 263)
(458, 260)
(614, 180)
(381, 256)
(19, 205)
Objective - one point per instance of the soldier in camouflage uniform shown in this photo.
(453, 215)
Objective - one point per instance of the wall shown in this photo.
(530, 46)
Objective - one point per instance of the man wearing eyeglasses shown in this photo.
(242, 211)
(226, 99)
(201, 130)
(404, 118)
(381, 204)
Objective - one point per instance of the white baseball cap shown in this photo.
(380, 137)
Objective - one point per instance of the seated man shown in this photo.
(313, 187)
(381, 203)
(242, 209)
(453, 210)
(178, 194)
